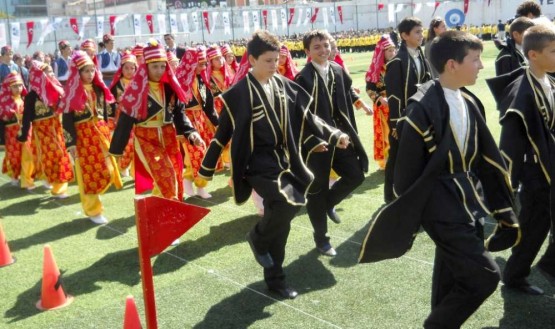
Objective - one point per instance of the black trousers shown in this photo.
(535, 224)
(271, 232)
(389, 169)
(464, 274)
(320, 196)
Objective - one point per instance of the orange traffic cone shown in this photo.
(5, 255)
(53, 295)
(131, 320)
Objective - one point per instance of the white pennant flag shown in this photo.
(255, 20)
(283, 19)
(246, 22)
(99, 26)
(332, 15)
(307, 16)
(417, 8)
(184, 22)
(399, 8)
(161, 24)
(120, 18)
(274, 20)
(137, 24)
(43, 27)
(194, 16)
(300, 17)
(214, 18)
(173, 23)
(227, 25)
(325, 15)
(391, 13)
(84, 21)
(3, 35)
(15, 32)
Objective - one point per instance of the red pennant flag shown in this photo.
(113, 25)
(30, 32)
(314, 15)
(206, 21)
(291, 15)
(149, 23)
(466, 3)
(74, 25)
(340, 12)
(489, 2)
(380, 6)
(435, 8)
(265, 18)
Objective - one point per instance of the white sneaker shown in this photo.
(14, 182)
(61, 196)
(124, 172)
(47, 185)
(98, 219)
(188, 187)
(32, 187)
(201, 192)
(175, 242)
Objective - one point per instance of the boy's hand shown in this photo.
(196, 139)
(366, 108)
(321, 148)
(505, 236)
(343, 141)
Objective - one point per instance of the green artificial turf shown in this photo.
(211, 279)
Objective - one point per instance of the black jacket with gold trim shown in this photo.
(236, 123)
(173, 113)
(402, 81)
(33, 109)
(509, 59)
(343, 97)
(435, 180)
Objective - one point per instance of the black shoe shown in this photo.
(285, 292)
(526, 288)
(265, 260)
(548, 276)
(333, 216)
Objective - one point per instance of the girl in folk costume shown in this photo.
(121, 80)
(375, 88)
(199, 108)
(151, 106)
(40, 112)
(18, 160)
(286, 65)
(220, 78)
(230, 58)
(172, 60)
(84, 119)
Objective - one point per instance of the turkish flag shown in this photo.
(74, 25)
(380, 6)
(466, 3)
(30, 32)
(149, 23)
(314, 15)
(291, 15)
(113, 25)
(206, 21)
(340, 12)
(265, 18)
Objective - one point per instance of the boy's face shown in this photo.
(414, 38)
(467, 71)
(265, 66)
(156, 71)
(545, 59)
(517, 37)
(319, 50)
(87, 74)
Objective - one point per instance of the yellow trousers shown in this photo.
(92, 206)
(27, 167)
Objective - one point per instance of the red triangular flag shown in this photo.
(291, 15)
(30, 32)
(74, 25)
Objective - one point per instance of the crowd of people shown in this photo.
(171, 117)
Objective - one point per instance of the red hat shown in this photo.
(138, 50)
(128, 57)
(213, 52)
(172, 57)
(107, 37)
(88, 44)
(155, 52)
(63, 44)
(81, 59)
(226, 49)
(201, 54)
(283, 50)
(13, 78)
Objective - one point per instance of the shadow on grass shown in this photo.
(115, 228)
(306, 274)
(372, 181)
(220, 236)
(32, 206)
(219, 196)
(121, 267)
(348, 252)
(53, 233)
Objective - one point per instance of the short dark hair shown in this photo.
(435, 22)
(261, 42)
(536, 38)
(315, 34)
(520, 25)
(529, 7)
(408, 23)
(169, 35)
(452, 45)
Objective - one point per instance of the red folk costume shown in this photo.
(226, 51)
(84, 109)
(151, 108)
(19, 159)
(288, 68)
(40, 112)
(117, 87)
(199, 108)
(375, 88)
